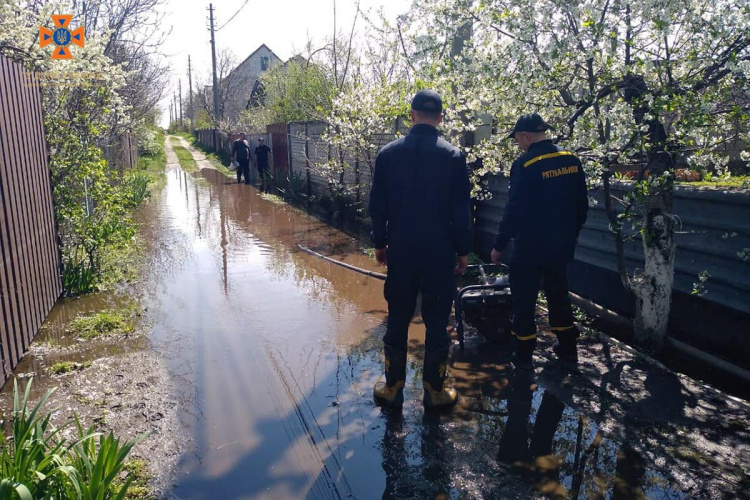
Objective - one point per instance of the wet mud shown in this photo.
(271, 355)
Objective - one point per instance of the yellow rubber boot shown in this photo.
(391, 392)
(436, 395)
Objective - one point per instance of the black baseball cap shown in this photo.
(427, 101)
(529, 123)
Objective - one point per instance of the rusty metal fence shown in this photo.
(29, 277)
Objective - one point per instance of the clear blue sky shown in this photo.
(283, 25)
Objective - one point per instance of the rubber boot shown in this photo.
(567, 344)
(391, 392)
(436, 395)
(523, 352)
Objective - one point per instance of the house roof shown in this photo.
(253, 53)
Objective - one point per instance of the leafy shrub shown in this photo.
(150, 142)
(78, 277)
(136, 185)
(36, 461)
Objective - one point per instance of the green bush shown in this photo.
(78, 277)
(150, 141)
(136, 185)
(36, 461)
(297, 187)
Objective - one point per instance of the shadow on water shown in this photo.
(277, 352)
(274, 354)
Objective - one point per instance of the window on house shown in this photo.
(264, 63)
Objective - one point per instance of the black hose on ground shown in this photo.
(372, 274)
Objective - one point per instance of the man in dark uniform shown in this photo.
(547, 206)
(421, 216)
(241, 154)
(261, 155)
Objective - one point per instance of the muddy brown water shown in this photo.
(275, 353)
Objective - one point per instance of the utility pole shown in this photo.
(170, 113)
(216, 82)
(181, 124)
(174, 100)
(190, 90)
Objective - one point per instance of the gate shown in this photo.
(280, 145)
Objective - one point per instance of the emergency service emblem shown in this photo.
(61, 37)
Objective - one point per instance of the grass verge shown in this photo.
(219, 162)
(186, 160)
(105, 323)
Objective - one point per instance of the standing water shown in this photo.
(274, 353)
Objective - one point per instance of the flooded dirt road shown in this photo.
(272, 355)
(279, 350)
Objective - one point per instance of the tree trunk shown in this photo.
(653, 287)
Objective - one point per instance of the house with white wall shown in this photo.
(244, 79)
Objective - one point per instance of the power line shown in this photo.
(235, 15)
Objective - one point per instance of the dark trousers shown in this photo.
(438, 288)
(243, 169)
(262, 169)
(525, 283)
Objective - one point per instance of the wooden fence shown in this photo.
(29, 276)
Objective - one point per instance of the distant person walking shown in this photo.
(261, 155)
(241, 153)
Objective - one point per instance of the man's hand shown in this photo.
(462, 262)
(496, 256)
(380, 256)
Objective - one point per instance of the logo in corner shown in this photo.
(61, 37)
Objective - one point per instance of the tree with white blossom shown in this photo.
(86, 100)
(645, 85)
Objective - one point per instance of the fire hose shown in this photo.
(371, 274)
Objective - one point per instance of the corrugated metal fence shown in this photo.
(29, 277)
(714, 234)
(309, 152)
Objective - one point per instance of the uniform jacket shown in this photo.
(547, 206)
(420, 203)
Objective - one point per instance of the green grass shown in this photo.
(185, 135)
(67, 366)
(219, 162)
(137, 472)
(121, 264)
(103, 324)
(273, 198)
(187, 162)
(734, 182)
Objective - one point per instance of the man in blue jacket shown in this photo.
(421, 216)
(546, 209)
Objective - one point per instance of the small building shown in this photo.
(244, 79)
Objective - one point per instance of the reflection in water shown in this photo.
(534, 459)
(412, 472)
(275, 353)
